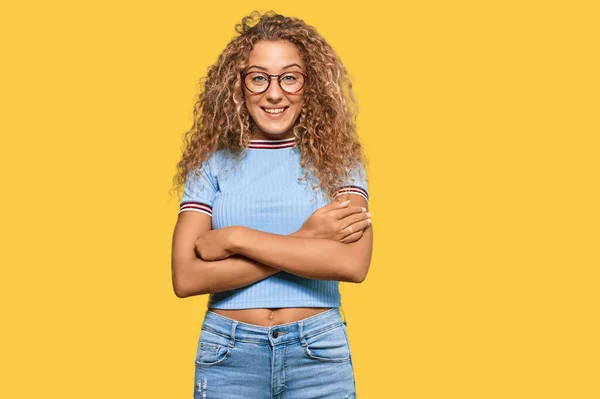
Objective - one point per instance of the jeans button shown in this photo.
(275, 334)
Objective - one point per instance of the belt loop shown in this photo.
(232, 341)
(343, 316)
(301, 333)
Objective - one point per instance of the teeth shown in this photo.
(274, 110)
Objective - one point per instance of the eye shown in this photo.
(289, 77)
(258, 79)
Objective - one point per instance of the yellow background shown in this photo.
(480, 120)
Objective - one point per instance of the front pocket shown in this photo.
(328, 346)
(212, 348)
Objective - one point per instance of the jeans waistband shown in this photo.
(281, 333)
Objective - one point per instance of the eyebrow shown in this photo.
(265, 69)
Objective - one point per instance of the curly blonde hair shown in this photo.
(326, 128)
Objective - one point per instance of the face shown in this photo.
(274, 111)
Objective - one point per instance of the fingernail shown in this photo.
(363, 209)
(369, 215)
(369, 221)
(346, 202)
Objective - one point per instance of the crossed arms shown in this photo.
(335, 243)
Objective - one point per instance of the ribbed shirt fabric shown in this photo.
(263, 192)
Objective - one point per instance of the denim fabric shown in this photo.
(306, 359)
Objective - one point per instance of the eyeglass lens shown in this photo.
(258, 82)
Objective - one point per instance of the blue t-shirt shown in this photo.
(263, 192)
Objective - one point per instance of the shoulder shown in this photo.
(214, 163)
(356, 182)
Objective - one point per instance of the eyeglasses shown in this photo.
(259, 82)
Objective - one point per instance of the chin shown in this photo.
(275, 130)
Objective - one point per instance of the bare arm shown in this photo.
(194, 276)
(315, 258)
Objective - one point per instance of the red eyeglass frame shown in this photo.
(243, 77)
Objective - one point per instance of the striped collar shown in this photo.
(272, 144)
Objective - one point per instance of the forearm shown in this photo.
(220, 238)
(315, 258)
(198, 277)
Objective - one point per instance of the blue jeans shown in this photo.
(306, 359)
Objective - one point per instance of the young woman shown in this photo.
(273, 215)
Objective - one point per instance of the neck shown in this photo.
(261, 135)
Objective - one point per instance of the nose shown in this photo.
(274, 92)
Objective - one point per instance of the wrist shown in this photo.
(304, 232)
(298, 233)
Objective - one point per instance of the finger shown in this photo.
(355, 231)
(358, 227)
(335, 205)
(352, 237)
(362, 225)
(345, 212)
(356, 218)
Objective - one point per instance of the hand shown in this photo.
(336, 221)
(213, 245)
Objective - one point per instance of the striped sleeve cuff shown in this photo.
(196, 206)
(353, 190)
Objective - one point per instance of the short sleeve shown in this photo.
(356, 183)
(199, 190)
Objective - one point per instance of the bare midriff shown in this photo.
(269, 317)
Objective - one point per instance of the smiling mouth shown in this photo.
(274, 111)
